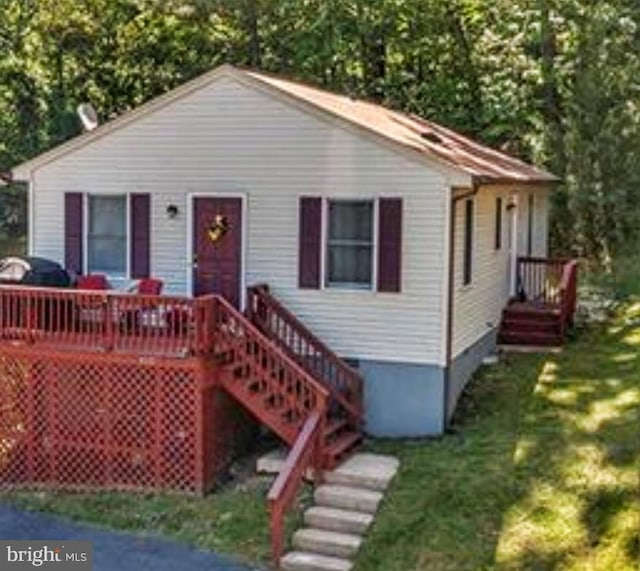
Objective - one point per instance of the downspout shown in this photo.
(475, 187)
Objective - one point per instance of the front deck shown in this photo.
(543, 309)
(102, 390)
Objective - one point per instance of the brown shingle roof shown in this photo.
(480, 161)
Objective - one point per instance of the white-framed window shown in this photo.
(350, 245)
(107, 234)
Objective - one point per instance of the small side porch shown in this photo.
(542, 310)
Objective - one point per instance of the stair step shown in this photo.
(530, 338)
(326, 542)
(347, 498)
(531, 314)
(343, 443)
(362, 470)
(530, 325)
(343, 521)
(305, 561)
(333, 426)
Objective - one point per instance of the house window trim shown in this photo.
(85, 239)
(498, 238)
(468, 239)
(324, 236)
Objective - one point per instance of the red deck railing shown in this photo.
(550, 282)
(266, 378)
(280, 325)
(539, 279)
(568, 294)
(104, 321)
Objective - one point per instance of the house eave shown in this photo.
(544, 181)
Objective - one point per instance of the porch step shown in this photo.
(334, 426)
(347, 498)
(326, 542)
(342, 445)
(256, 403)
(332, 519)
(530, 313)
(514, 325)
(306, 561)
(530, 338)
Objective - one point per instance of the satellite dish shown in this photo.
(88, 116)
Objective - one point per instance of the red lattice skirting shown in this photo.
(92, 421)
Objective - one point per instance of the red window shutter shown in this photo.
(389, 244)
(73, 232)
(140, 235)
(309, 242)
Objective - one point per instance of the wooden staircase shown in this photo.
(543, 310)
(343, 430)
(291, 382)
(526, 324)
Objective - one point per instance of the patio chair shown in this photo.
(90, 313)
(133, 320)
(97, 282)
(149, 286)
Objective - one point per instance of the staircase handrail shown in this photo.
(259, 294)
(568, 293)
(306, 453)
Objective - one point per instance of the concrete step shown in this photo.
(371, 471)
(305, 561)
(334, 544)
(347, 498)
(343, 521)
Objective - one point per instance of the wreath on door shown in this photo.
(218, 228)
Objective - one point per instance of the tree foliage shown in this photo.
(553, 81)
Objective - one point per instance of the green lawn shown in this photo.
(541, 471)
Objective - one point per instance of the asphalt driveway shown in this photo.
(112, 550)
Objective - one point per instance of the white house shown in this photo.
(392, 238)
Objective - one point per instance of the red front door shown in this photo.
(217, 247)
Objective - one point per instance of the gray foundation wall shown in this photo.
(464, 365)
(402, 399)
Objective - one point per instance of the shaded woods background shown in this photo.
(554, 81)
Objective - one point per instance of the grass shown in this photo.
(232, 521)
(540, 471)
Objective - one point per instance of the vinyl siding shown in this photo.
(478, 306)
(229, 138)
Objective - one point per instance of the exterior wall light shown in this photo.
(172, 211)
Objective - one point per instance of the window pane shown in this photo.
(468, 242)
(107, 237)
(351, 221)
(349, 265)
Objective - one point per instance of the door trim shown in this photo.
(513, 244)
(243, 230)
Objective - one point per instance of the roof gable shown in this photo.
(408, 132)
